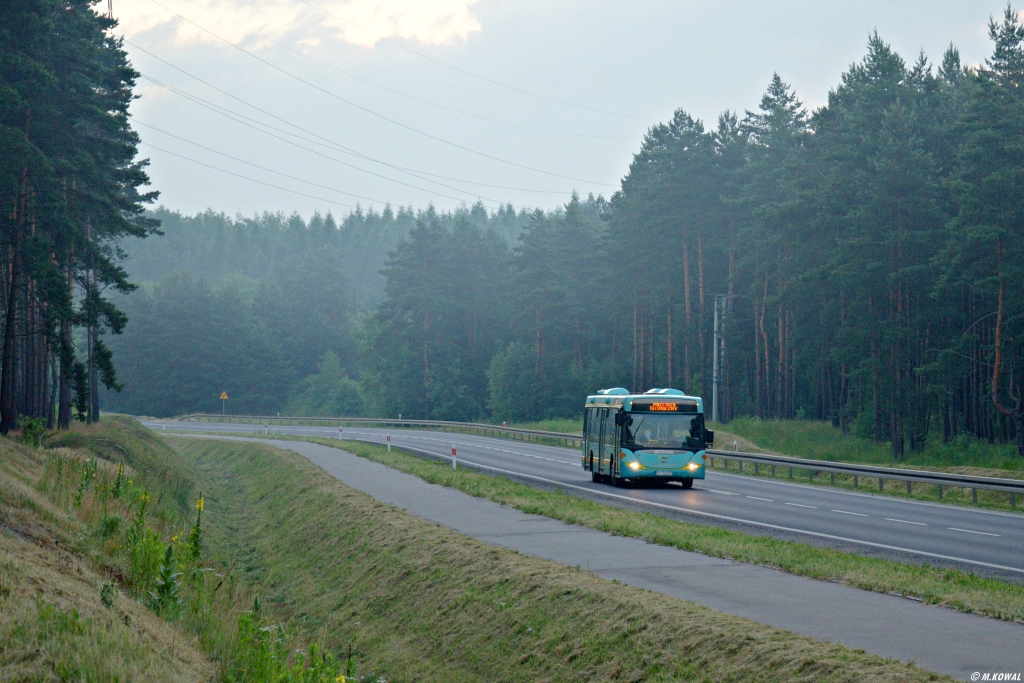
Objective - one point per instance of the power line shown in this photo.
(262, 168)
(404, 94)
(216, 109)
(478, 76)
(253, 180)
(326, 142)
(376, 114)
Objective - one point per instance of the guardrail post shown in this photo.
(757, 467)
(856, 482)
(910, 487)
(741, 465)
(1013, 499)
(832, 478)
(974, 496)
(790, 472)
(810, 475)
(940, 491)
(881, 483)
(773, 470)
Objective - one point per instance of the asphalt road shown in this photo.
(989, 542)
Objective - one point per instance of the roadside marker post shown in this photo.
(339, 432)
(455, 462)
(266, 429)
(389, 443)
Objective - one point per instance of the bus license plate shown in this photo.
(663, 473)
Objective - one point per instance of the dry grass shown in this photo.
(53, 623)
(424, 603)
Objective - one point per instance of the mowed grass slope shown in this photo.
(54, 623)
(421, 603)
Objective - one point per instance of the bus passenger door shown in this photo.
(609, 444)
(605, 466)
(592, 446)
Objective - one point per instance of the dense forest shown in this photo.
(70, 189)
(868, 258)
(266, 308)
(864, 261)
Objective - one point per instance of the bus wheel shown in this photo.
(687, 483)
(618, 482)
(596, 477)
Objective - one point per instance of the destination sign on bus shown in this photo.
(664, 407)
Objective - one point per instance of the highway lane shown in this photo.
(988, 541)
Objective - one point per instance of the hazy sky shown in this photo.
(557, 96)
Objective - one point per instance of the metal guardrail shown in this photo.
(812, 467)
(538, 436)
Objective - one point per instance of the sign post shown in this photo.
(223, 402)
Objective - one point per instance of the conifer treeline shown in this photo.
(68, 192)
(868, 258)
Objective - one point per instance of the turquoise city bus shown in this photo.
(657, 436)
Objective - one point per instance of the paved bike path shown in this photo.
(936, 638)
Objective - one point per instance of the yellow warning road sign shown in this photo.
(223, 395)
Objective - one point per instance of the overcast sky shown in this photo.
(411, 102)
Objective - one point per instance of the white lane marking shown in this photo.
(844, 512)
(903, 521)
(968, 531)
(724, 493)
(767, 500)
(948, 507)
(798, 505)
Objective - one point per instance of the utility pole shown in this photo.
(716, 371)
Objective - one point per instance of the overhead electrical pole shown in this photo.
(716, 370)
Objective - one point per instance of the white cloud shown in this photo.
(359, 22)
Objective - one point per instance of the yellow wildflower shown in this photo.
(341, 679)
(145, 497)
(174, 539)
(199, 504)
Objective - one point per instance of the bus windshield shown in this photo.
(648, 430)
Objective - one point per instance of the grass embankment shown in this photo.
(821, 441)
(952, 588)
(104, 575)
(421, 602)
(62, 617)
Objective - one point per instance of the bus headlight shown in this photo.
(693, 466)
(634, 465)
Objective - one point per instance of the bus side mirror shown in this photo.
(709, 437)
(620, 418)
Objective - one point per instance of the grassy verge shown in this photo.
(821, 441)
(952, 588)
(104, 574)
(421, 602)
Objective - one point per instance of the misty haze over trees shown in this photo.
(868, 258)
